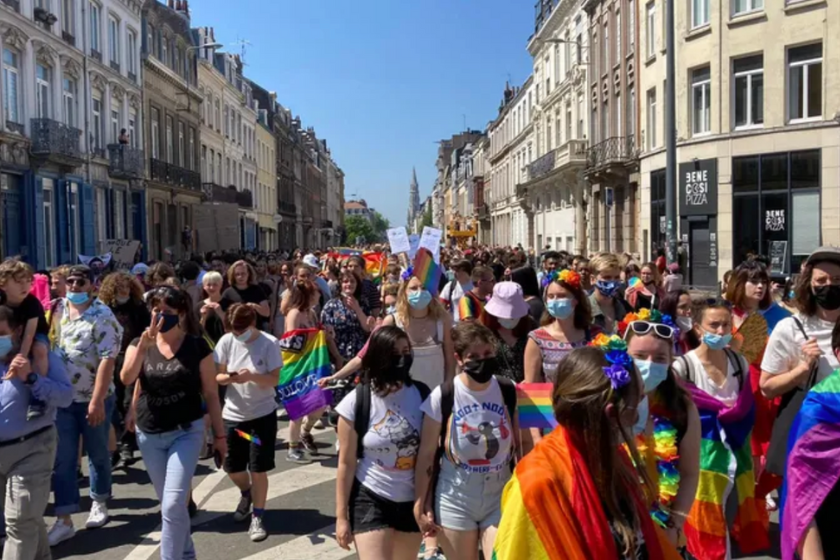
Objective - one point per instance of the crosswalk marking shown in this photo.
(318, 545)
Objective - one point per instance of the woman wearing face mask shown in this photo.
(607, 307)
(375, 481)
(248, 362)
(668, 427)
(646, 292)
(678, 304)
(389, 299)
(177, 379)
(506, 315)
(474, 418)
(716, 378)
(577, 495)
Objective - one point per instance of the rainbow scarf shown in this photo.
(305, 361)
(725, 458)
(551, 510)
(813, 466)
(470, 307)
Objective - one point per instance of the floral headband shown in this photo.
(651, 316)
(406, 276)
(566, 276)
(615, 350)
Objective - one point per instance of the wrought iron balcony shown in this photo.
(174, 175)
(245, 199)
(326, 223)
(56, 142)
(573, 151)
(68, 38)
(218, 193)
(618, 150)
(125, 162)
(287, 207)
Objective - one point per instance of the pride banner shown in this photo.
(305, 360)
(534, 405)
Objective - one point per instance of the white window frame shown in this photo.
(95, 27)
(806, 68)
(131, 55)
(49, 222)
(68, 97)
(605, 54)
(748, 76)
(115, 122)
(749, 6)
(43, 92)
(618, 34)
(191, 151)
(154, 141)
(181, 143)
(650, 29)
(651, 118)
(701, 17)
(113, 39)
(73, 208)
(11, 73)
(96, 141)
(631, 26)
(169, 139)
(704, 85)
(68, 16)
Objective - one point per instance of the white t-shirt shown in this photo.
(247, 401)
(453, 295)
(391, 443)
(784, 348)
(480, 436)
(728, 392)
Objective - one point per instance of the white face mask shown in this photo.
(685, 324)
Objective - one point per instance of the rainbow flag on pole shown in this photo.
(534, 405)
(426, 270)
(306, 359)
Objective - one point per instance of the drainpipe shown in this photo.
(87, 92)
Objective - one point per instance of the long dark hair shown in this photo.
(583, 311)
(378, 361)
(302, 294)
(526, 277)
(748, 271)
(181, 302)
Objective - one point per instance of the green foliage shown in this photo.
(358, 226)
(427, 218)
(380, 224)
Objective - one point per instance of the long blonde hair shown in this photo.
(436, 309)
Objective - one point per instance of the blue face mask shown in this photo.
(606, 287)
(652, 373)
(244, 337)
(450, 275)
(78, 298)
(644, 411)
(560, 308)
(419, 299)
(509, 324)
(391, 309)
(716, 341)
(5, 345)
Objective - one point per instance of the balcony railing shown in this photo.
(13, 4)
(326, 224)
(125, 162)
(16, 127)
(174, 175)
(573, 151)
(115, 66)
(96, 54)
(218, 193)
(287, 207)
(56, 141)
(245, 199)
(615, 150)
(483, 211)
(68, 38)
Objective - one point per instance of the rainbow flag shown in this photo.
(375, 263)
(305, 361)
(427, 271)
(534, 406)
(470, 307)
(551, 510)
(725, 465)
(813, 467)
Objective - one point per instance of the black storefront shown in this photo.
(776, 207)
(697, 184)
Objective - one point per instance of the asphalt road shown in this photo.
(299, 516)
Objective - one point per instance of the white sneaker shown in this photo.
(60, 532)
(98, 515)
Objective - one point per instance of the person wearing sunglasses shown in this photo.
(668, 422)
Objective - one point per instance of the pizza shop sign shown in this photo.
(698, 187)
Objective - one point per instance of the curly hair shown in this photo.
(16, 270)
(158, 273)
(117, 281)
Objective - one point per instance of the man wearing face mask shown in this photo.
(27, 447)
(88, 341)
(607, 307)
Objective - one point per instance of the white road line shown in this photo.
(318, 545)
(150, 543)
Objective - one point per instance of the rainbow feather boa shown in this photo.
(667, 458)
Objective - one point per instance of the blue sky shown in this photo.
(381, 80)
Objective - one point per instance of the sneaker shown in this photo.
(257, 532)
(308, 443)
(98, 515)
(296, 455)
(60, 532)
(243, 510)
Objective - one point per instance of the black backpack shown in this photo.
(361, 421)
(733, 359)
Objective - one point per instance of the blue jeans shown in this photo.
(71, 423)
(170, 460)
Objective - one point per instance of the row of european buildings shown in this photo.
(575, 158)
(120, 120)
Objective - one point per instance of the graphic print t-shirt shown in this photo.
(390, 444)
(479, 436)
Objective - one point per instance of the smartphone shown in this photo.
(217, 458)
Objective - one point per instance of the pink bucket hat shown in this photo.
(507, 302)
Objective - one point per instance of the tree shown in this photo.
(358, 226)
(427, 218)
(380, 225)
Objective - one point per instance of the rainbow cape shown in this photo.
(725, 465)
(534, 406)
(427, 270)
(551, 510)
(813, 466)
(305, 361)
(470, 307)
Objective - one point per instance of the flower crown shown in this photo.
(651, 316)
(566, 276)
(406, 276)
(615, 350)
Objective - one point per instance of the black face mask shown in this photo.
(401, 367)
(828, 297)
(482, 371)
(169, 321)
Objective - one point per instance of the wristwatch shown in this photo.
(31, 378)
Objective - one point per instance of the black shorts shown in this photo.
(371, 512)
(244, 455)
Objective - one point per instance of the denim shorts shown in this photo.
(371, 512)
(468, 501)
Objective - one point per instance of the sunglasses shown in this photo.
(78, 282)
(642, 328)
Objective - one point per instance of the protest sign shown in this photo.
(398, 238)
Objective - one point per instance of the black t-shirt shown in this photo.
(251, 294)
(30, 308)
(134, 317)
(213, 326)
(171, 389)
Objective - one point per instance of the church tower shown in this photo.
(413, 201)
